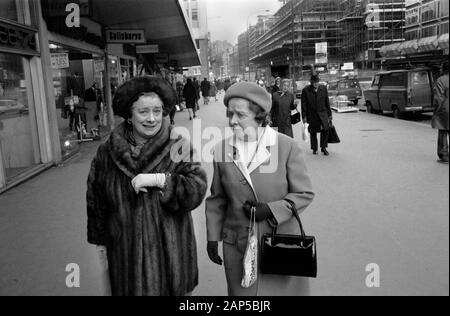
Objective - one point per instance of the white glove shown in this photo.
(145, 180)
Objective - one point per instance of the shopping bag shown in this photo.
(305, 132)
(250, 274)
(333, 137)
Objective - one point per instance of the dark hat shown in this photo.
(315, 78)
(251, 92)
(129, 92)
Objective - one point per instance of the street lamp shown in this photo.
(248, 38)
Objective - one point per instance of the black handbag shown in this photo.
(333, 137)
(296, 118)
(289, 254)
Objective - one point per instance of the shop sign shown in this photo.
(127, 36)
(147, 49)
(99, 66)
(16, 37)
(59, 60)
(322, 53)
(161, 58)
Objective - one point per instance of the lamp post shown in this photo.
(248, 38)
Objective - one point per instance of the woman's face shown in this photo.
(147, 115)
(242, 119)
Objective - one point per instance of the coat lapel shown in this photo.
(269, 139)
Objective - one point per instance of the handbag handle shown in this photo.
(297, 217)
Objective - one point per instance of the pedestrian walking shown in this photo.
(213, 91)
(139, 199)
(276, 86)
(241, 181)
(227, 84)
(197, 90)
(283, 103)
(190, 95)
(441, 114)
(316, 111)
(205, 87)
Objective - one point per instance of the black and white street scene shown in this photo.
(224, 148)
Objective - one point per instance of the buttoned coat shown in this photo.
(283, 104)
(441, 113)
(278, 172)
(316, 108)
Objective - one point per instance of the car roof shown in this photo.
(401, 71)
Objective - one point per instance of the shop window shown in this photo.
(74, 75)
(429, 31)
(19, 148)
(15, 10)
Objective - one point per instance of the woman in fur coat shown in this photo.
(142, 186)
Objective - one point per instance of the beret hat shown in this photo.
(251, 92)
(131, 90)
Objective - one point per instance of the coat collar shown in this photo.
(268, 139)
(151, 155)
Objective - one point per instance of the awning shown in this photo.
(409, 47)
(391, 50)
(163, 21)
(428, 44)
(443, 41)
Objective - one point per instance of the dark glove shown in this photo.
(213, 252)
(263, 211)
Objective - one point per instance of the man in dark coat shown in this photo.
(190, 95)
(197, 90)
(283, 102)
(316, 112)
(205, 87)
(441, 114)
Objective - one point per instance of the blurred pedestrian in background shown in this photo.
(283, 103)
(190, 96)
(441, 114)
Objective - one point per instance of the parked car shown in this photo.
(346, 86)
(401, 91)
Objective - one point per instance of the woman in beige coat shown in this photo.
(256, 167)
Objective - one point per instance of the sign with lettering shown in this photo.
(161, 58)
(99, 65)
(322, 53)
(16, 37)
(59, 60)
(123, 36)
(147, 49)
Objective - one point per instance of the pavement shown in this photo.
(381, 198)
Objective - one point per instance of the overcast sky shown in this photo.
(228, 18)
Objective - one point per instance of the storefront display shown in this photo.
(18, 134)
(78, 79)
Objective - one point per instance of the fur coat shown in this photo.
(149, 237)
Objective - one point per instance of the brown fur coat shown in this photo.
(149, 237)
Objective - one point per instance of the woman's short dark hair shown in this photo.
(261, 116)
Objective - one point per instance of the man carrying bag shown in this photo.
(316, 112)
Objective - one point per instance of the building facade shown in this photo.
(196, 15)
(426, 34)
(367, 26)
(299, 28)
